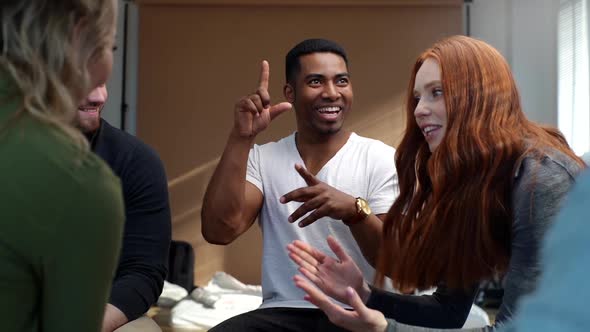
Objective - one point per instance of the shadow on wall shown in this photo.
(385, 123)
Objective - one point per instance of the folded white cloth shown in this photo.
(477, 318)
(225, 283)
(222, 298)
(171, 294)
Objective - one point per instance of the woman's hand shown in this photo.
(359, 319)
(328, 274)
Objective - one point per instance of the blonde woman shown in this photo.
(61, 211)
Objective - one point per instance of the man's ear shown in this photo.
(289, 93)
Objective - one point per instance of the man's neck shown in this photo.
(317, 150)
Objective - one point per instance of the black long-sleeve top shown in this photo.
(143, 261)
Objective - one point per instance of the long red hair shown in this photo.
(452, 220)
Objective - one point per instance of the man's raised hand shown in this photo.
(254, 113)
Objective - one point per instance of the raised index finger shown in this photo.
(264, 75)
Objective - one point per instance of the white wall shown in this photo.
(525, 32)
(112, 110)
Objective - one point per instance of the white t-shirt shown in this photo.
(362, 167)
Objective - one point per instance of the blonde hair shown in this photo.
(47, 66)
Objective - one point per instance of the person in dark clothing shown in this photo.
(479, 186)
(142, 265)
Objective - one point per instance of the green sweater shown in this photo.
(61, 221)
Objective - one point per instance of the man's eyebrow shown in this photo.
(316, 75)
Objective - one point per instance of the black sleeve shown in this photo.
(445, 309)
(144, 256)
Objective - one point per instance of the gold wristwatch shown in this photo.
(363, 210)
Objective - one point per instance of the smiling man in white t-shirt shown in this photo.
(321, 180)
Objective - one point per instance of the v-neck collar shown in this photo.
(324, 166)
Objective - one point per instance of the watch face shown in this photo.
(364, 206)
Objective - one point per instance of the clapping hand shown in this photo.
(331, 276)
(359, 319)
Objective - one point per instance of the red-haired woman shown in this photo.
(479, 184)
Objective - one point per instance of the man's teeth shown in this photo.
(331, 109)
(88, 109)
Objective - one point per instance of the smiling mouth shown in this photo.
(430, 130)
(329, 113)
(329, 109)
(89, 109)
